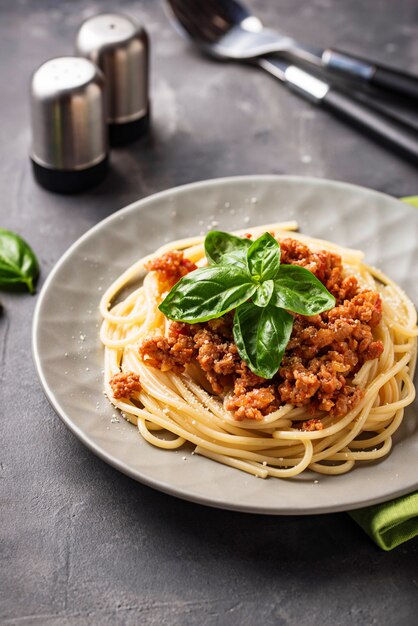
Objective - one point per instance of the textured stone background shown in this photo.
(80, 543)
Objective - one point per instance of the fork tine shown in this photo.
(205, 20)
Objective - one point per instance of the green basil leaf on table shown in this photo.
(263, 294)
(207, 293)
(297, 289)
(18, 263)
(225, 249)
(261, 336)
(263, 258)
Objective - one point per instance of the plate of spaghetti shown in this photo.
(242, 329)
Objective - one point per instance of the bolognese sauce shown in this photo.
(324, 352)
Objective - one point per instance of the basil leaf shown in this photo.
(297, 289)
(207, 293)
(261, 336)
(18, 263)
(263, 257)
(263, 294)
(225, 249)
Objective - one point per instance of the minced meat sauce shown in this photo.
(321, 358)
(124, 384)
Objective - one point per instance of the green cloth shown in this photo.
(391, 523)
(411, 200)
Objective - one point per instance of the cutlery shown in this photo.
(226, 29)
(221, 29)
(387, 128)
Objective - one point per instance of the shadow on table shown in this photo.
(319, 544)
(150, 165)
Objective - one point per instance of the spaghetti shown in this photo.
(171, 408)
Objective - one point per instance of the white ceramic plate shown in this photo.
(68, 354)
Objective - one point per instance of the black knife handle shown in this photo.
(394, 80)
(381, 125)
(391, 80)
(391, 131)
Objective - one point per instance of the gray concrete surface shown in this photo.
(80, 543)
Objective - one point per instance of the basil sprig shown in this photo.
(261, 336)
(18, 263)
(207, 293)
(247, 276)
(263, 258)
(226, 249)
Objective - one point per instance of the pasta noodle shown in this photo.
(171, 409)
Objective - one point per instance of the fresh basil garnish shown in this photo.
(264, 293)
(207, 293)
(261, 336)
(263, 258)
(248, 277)
(297, 289)
(18, 263)
(225, 249)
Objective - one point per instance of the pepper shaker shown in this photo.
(120, 48)
(68, 111)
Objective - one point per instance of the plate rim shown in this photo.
(121, 465)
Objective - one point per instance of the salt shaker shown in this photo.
(120, 48)
(69, 136)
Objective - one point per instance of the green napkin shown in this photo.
(411, 200)
(391, 523)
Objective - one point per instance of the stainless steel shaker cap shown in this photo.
(120, 47)
(68, 111)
